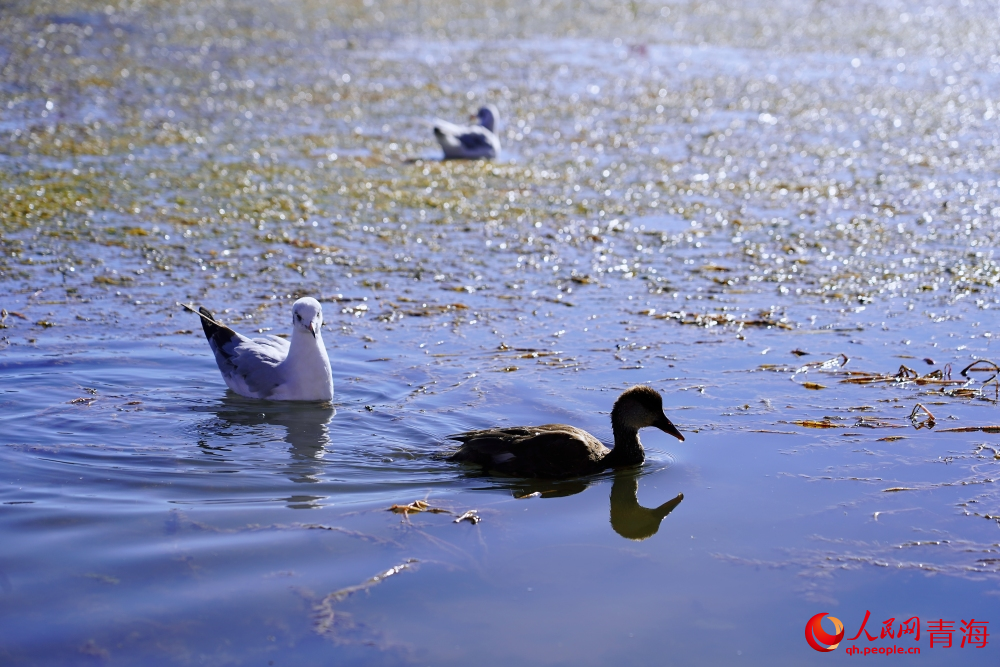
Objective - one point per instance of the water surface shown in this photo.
(782, 217)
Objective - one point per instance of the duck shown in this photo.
(559, 451)
(273, 368)
(470, 142)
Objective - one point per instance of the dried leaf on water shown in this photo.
(773, 367)
(898, 488)
(4, 313)
(423, 506)
(813, 385)
(415, 506)
(764, 319)
(982, 366)
(860, 377)
(971, 429)
(928, 417)
(815, 423)
(874, 422)
(418, 506)
(905, 374)
(962, 392)
(428, 310)
(835, 362)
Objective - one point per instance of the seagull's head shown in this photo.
(307, 314)
(487, 116)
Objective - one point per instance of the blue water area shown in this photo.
(159, 517)
(781, 217)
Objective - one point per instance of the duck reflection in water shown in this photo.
(306, 432)
(628, 518)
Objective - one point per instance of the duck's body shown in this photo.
(274, 368)
(555, 451)
(550, 451)
(469, 142)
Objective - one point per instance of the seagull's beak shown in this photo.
(667, 426)
(313, 328)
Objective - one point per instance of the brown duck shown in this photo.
(554, 451)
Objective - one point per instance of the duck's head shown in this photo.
(487, 116)
(642, 406)
(307, 314)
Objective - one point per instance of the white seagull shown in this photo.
(271, 367)
(470, 142)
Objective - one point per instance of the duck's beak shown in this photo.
(667, 426)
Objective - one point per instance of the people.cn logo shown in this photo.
(817, 636)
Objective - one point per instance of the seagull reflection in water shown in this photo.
(306, 432)
(628, 518)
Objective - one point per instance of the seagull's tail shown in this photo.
(214, 332)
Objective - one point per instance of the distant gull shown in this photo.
(470, 142)
(271, 367)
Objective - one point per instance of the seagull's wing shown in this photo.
(475, 139)
(464, 141)
(279, 344)
(252, 368)
(450, 129)
(247, 366)
(447, 135)
(478, 142)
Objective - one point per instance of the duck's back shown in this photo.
(551, 451)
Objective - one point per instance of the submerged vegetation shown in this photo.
(157, 141)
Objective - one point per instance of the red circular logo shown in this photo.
(817, 636)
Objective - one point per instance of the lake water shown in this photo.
(781, 216)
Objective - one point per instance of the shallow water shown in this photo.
(748, 206)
